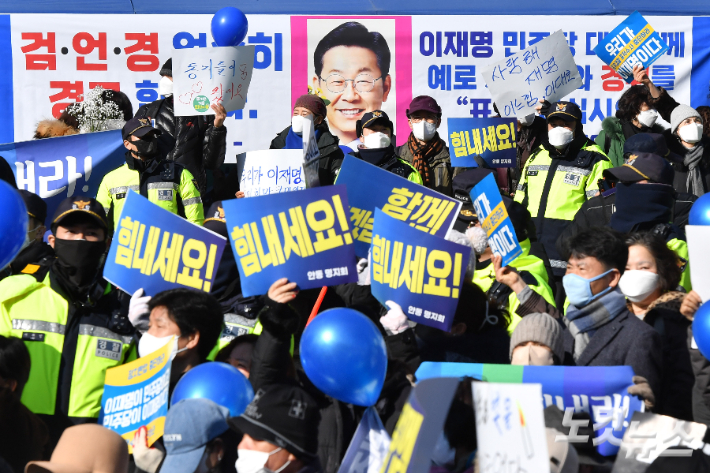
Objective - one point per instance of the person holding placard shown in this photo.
(375, 131)
(425, 150)
(73, 323)
(198, 143)
(165, 183)
(638, 109)
(331, 153)
(558, 178)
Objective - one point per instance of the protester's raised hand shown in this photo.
(220, 114)
(394, 320)
(543, 108)
(690, 305)
(240, 195)
(146, 458)
(643, 390)
(138, 310)
(283, 291)
(507, 275)
(641, 75)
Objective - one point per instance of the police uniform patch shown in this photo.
(32, 337)
(572, 179)
(532, 173)
(120, 196)
(165, 194)
(109, 349)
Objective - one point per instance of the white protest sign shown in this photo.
(510, 427)
(270, 171)
(310, 154)
(206, 76)
(545, 70)
(698, 237)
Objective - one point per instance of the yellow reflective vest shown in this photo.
(71, 345)
(553, 188)
(167, 184)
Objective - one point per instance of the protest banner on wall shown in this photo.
(544, 71)
(57, 168)
(368, 447)
(494, 219)
(136, 395)
(510, 427)
(270, 171)
(633, 42)
(422, 273)
(493, 139)
(419, 426)
(650, 436)
(413, 204)
(217, 75)
(158, 250)
(303, 236)
(600, 391)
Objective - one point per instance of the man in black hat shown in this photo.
(165, 183)
(36, 250)
(597, 211)
(73, 324)
(280, 428)
(375, 132)
(198, 142)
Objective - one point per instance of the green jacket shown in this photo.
(611, 129)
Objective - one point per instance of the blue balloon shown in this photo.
(344, 355)
(229, 26)
(700, 211)
(13, 226)
(701, 329)
(218, 382)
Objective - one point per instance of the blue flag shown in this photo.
(422, 273)
(600, 391)
(157, 250)
(370, 187)
(57, 168)
(633, 42)
(493, 139)
(494, 219)
(302, 235)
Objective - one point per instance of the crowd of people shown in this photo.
(603, 280)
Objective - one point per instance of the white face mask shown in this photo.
(251, 461)
(150, 343)
(532, 355)
(560, 137)
(691, 133)
(424, 130)
(647, 117)
(527, 120)
(165, 86)
(377, 140)
(638, 285)
(297, 122)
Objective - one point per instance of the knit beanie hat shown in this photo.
(313, 103)
(167, 69)
(540, 328)
(680, 113)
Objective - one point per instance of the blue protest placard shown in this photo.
(157, 250)
(422, 273)
(370, 187)
(600, 391)
(494, 219)
(633, 42)
(368, 447)
(493, 139)
(136, 395)
(57, 168)
(302, 235)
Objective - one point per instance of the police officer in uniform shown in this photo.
(165, 183)
(560, 175)
(72, 321)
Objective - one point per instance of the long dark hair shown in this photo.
(630, 102)
(666, 259)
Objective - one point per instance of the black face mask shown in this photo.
(146, 148)
(377, 156)
(78, 263)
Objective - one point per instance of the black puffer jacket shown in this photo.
(331, 156)
(193, 141)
